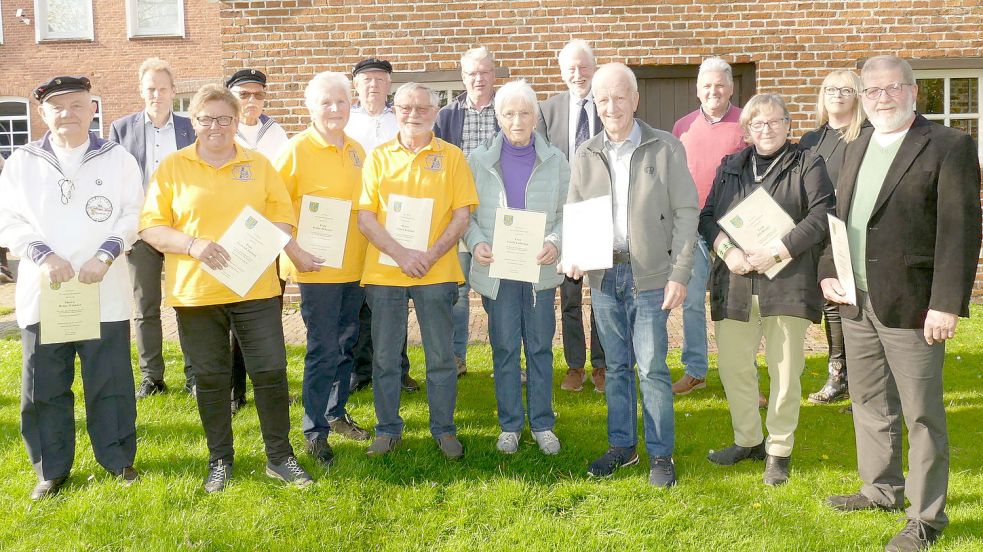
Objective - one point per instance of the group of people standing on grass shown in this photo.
(906, 189)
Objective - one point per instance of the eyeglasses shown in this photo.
(845, 91)
(207, 121)
(759, 126)
(474, 74)
(421, 109)
(510, 115)
(893, 90)
(244, 95)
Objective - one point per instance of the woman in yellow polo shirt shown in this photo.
(194, 196)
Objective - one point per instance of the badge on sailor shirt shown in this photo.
(99, 208)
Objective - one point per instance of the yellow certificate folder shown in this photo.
(69, 311)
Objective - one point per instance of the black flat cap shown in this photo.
(244, 76)
(61, 85)
(372, 64)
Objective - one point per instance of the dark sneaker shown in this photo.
(462, 366)
(450, 446)
(662, 471)
(289, 472)
(346, 427)
(150, 387)
(856, 502)
(917, 535)
(382, 445)
(127, 475)
(356, 384)
(320, 450)
(610, 461)
(735, 453)
(219, 473)
(48, 488)
(238, 403)
(407, 383)
(776, 470)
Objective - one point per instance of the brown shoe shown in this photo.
(462, 367)
(762, 401)
(574, 381)
(598, 376)
(687, 384)
(346, 427)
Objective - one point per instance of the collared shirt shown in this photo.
(479, 125)
(161, 142)
(188, 194)
(440, 172)
(371, 131)
(710, 120)
(575, 118)
(309, 165)
(619, 164)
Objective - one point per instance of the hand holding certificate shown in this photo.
(756, 222)
(323, 228)
(588, 235)
(518, 240)
(408, 222)
(253, 242)
(69, 311)
(841, 258)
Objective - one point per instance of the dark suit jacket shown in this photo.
(129, 132)
(554, 121)
(923, 237)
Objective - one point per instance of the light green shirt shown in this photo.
(870, 178)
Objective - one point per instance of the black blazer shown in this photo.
(923, 237)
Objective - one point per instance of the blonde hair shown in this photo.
(210, 93)
(852, 130)
(760, 102)
(154, 64)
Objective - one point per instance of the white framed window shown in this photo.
(446, 91)
(181, 104)
(96, 124)
(63, 19)
(952, 97)
(1, 26)
(15, 124)
(154, 18)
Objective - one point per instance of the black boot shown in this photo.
(835, 388)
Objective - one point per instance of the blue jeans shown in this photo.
(518, 318)
(695, 314)
(632, 326)
(462, 311)
(433, 304)
(330, 312)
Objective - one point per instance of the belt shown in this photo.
(621, 257)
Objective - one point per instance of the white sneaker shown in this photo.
(547, 441)
(508, 442)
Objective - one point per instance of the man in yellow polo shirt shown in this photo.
(323, 162)
(415, 170)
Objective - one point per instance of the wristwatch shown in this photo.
(105, 258)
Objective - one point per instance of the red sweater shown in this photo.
(706, 145)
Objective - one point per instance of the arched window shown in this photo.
(15, 124)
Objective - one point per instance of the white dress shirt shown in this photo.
(161, 142)
(619, 163)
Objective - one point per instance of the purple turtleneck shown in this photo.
(517, 163)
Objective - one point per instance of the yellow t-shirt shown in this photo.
(189, 195)
(311, 166)
(438, 171)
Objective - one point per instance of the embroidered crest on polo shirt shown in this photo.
(243, 173)
(434, 162)
(355, 158)
(99, 208)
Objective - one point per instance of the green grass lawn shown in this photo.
(416, 500)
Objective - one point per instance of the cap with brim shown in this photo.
(61, 85)
(372, 64)
(246, 76)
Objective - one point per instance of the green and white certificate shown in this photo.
(518, 240)
(322, 229)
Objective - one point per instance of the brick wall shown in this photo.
(111, 60)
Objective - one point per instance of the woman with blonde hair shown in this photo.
(841, 119)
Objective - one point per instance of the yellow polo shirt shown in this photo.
(438, 171)
(310, 166)
(189, 195)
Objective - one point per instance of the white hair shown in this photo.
(478, 54)
(888, 62)
(574, 46)
(516, 89)
(324, 80)
(410, 87)
(716, 64)
(602, 73)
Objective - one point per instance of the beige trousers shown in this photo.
(737, 345)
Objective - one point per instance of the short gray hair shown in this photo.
(716, 64)
(325, 80)
(516, 89)
(603, 70)
(877, 63)
(410, 87)
(478, 54)
(574, 46)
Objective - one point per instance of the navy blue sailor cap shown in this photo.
(245, 76)
(61, 85)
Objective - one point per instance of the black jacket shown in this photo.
(923, 237)
(832, 152)
(802, 188)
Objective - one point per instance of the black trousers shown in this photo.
(259, 329)
(362, 370)
(238, 364)
(572, 321)
(48, 405)
(834, 333)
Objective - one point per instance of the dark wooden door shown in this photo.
(667, 92)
